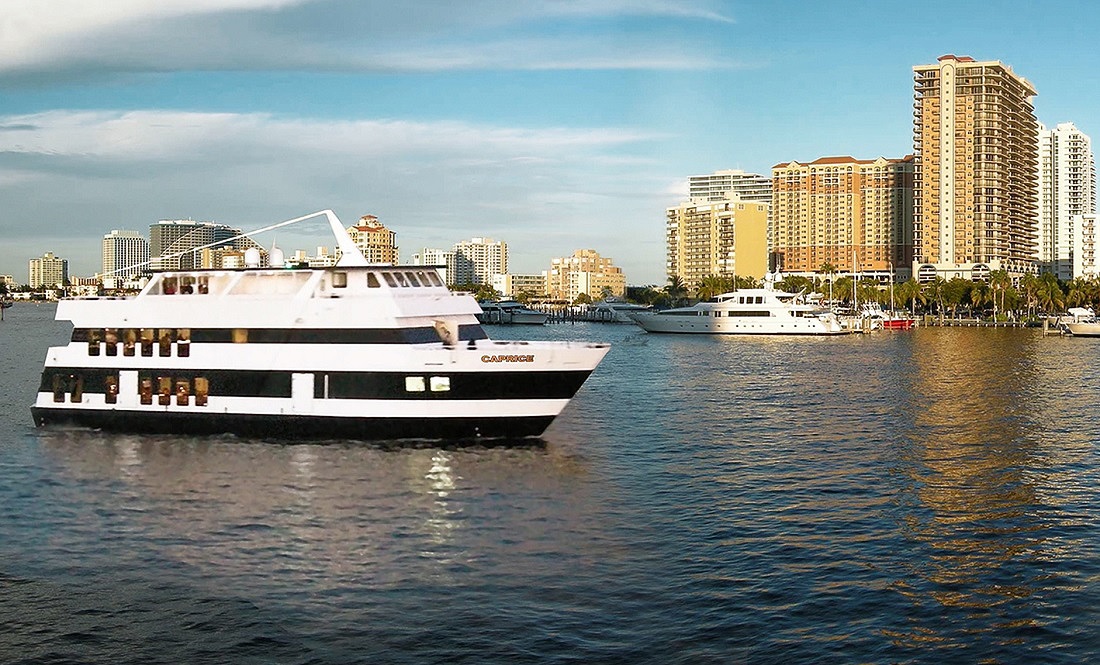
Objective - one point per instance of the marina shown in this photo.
(916, 498)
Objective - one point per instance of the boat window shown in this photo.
(240, 335)
(183, 392)
(440, 383)
(93, 342)
(183, 348)
(77, 384)
(110, 389)
(401, 279)
(759, 300)
(741, 300)
(414, 384)
(372, 280)
(339, 280)
(187, 285)
(412, 279)
(146, 390)
(58, 389)
(204, 285)
(433, 278)
(202, 389)
(389, 279)
(164, 390)
(169, 286)
(110, 337)
(165, 342)
(129, 338)
(147, 342)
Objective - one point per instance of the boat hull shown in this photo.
(1084, 329)
(658, 323)
(297, 427)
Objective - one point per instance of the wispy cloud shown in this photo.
(41, 41)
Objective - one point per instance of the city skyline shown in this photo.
(575, 124)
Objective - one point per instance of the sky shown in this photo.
(551, 125)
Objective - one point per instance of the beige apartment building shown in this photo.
(585, 272)
(377, 243)
(855, 215)
(975, 137)
(725, 238)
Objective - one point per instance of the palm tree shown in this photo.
(1000, 283)
(676, 289)
(933, 292)
(710, 286)
(954, 293)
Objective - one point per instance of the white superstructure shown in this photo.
(763, 311)
(351, 351)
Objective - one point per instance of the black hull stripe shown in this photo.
(421, 335)
(295, 427)
(340, 385)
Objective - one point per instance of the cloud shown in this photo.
(74, 176)
(72, 39)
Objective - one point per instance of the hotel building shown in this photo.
(514, 285)
(585, 272)
(723, 185)
(478, 260)
(975, 138)
(125, 256)
(724, 238)
(442, 260)
(1067, 198)
(377, 243)
(48, 271)
(180, 244)
(852, 214)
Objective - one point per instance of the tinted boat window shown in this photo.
(372, 280)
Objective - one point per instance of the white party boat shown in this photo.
(353, 351)
(765, 311)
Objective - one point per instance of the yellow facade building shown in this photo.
(723, 238)
(585, 272)
(852, 214)
(975, 137)
(377, 243)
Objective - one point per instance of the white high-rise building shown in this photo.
(443, 260)
(125, 255)
(477, 260)
(725, 185)
(49, 271)
(1067, 201)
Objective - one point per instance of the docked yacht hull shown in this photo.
(1083, 329)
(656, 322)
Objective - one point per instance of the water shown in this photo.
(922, 497)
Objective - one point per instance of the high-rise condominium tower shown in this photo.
(852, 214)
(975, 199)
(1067, 196)
(125, 254)
(478, 260)
(724, 238)
(723, 185)
(178, 244)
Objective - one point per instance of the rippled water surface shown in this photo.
(922, 497)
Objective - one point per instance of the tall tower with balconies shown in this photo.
(1067, 193)
(975, 138)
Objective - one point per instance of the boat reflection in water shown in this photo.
(326, 516)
